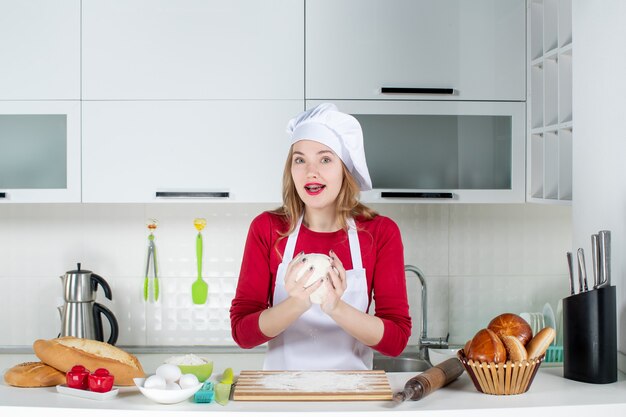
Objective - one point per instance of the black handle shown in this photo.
(97, 279)
(3, 195)
(192, 194)
(408, 90)
(410, 194)
(99, 309)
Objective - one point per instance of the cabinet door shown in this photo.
(196, 49)
(39, 151)
(476, 48)
(39, 49)
(442, 151)
(134, 149)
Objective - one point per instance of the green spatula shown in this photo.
(199, 288)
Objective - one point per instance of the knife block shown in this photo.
(590, 336)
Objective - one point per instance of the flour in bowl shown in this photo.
(315, 382)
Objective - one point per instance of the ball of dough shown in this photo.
(321, 263)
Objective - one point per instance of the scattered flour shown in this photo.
(315, 382)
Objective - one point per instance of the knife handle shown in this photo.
(570, 267)
(595, 257)
(604, 236)
(582, 271)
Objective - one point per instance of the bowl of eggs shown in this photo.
(168, 385)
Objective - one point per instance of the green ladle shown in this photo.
(199, 288)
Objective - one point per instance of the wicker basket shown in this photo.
(508, 378)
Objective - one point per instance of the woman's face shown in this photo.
(317, 173)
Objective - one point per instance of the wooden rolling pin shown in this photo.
(431, 380)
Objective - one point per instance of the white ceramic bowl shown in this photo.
(164, 396)
(439, 355)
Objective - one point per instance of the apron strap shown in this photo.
(355, 246)
(291, 242)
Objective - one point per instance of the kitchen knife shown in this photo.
(582, 272)
(570, 267)
(595, 257)
(604, 238)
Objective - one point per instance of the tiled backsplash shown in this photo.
(479, 260)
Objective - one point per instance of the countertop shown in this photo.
(550, 394)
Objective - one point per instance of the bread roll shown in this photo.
(466, 347)
(64, 352)
(321, 263)
(486, 346)
(515, 351)
(509, 324)
(33, 375)
(540, 343)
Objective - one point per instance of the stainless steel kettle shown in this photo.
(81, 316)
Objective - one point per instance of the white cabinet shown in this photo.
(40, 50)
(550, 122)
(442, 151)
(476, 49)
(40, 151)
(133, 150)
(196, 49)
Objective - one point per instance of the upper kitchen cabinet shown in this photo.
(416, 49)
(40, 151)
(160, 151)
(40, 50)
(196, 49)
(442, 151)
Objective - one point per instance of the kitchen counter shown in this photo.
(550, 393)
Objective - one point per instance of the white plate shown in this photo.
(83, 393)
(559, 323)
(164, 396)
(549, 317)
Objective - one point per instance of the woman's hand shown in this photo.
(336, 284)
(296, 288)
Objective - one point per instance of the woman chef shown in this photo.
(324, 172)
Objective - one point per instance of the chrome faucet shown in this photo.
(424, 341)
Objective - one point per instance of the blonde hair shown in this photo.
(346, 205)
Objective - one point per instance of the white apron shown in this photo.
(314, 341)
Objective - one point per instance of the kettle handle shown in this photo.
(99, 309)
(97, 279)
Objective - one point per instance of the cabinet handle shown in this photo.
(3, 195)
(401, 90)
(192, 194)
(410, 194)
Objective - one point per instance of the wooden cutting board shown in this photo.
(312, 386)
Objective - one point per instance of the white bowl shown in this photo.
(439, 355)
(164, 396)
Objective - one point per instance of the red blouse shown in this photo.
(382, 256)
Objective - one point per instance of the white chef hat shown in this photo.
(339, 131)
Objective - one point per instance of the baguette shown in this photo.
(33, 375)
(65, 352)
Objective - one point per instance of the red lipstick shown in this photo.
(314, 188)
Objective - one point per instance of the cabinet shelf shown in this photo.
(550, 116)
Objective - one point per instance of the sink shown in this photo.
(400, 364)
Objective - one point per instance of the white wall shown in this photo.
(479, 260)
(599, 89)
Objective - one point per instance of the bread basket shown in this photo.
(507, 378)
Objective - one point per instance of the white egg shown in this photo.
(172, 386)
(169, 372)
(155, 382)
(188, 381)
